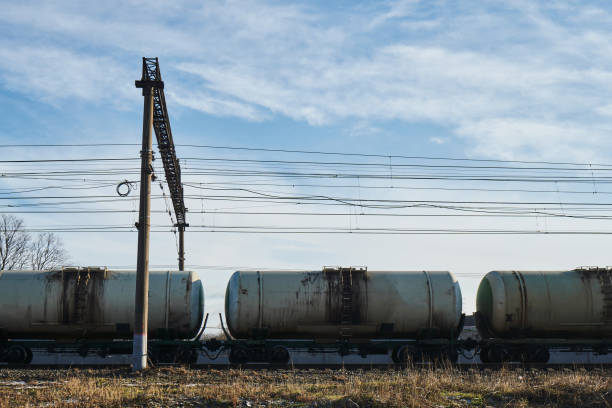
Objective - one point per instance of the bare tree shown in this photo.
(47, 252)
(14, 243)
(18, 250)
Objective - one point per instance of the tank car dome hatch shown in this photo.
(340, 302)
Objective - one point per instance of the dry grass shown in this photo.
(174, 387)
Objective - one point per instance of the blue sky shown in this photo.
(481, 79)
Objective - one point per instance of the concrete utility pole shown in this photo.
(141, 310)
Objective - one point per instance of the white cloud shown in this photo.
(216, 106)
(397, 9)
(604, 110)
(464, 67)
(57, 74)
(518, 138)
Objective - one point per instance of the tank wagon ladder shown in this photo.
(346, 318)
(80, 296)
(83, 281)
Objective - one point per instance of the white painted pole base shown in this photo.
(139, 353)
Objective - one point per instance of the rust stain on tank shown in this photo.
(80, 295)
(335, 294)
(309, 290)
(188, 285)
(310, 278)
(604, 276)
(333, 309)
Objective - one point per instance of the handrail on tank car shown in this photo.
(227, 335)
(201, 332)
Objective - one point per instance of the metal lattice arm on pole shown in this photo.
(161, 124)
(163, 132)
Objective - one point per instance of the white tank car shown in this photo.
(337, 302)
(97, 303)
(563, 304)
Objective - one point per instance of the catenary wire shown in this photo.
(298, 151)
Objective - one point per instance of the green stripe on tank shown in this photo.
(484, 299)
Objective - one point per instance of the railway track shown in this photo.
(348, 367)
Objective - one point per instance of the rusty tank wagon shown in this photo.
(522, 314)
(343, 302)
(412, 314)
(86, 306)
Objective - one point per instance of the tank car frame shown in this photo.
(20, 352)
(537, 350)
(279, 351)
(240, 352)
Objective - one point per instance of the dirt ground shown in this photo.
(423, 387)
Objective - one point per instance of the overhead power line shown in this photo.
(387, 165)
(475, 213)
(310, 152)
(235, 179)
(354, 231)
(346, 200)
(381, 187)
(88, 159)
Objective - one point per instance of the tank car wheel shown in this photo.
(163, 355)
(484, 355)
(238, 355)
(83, 351)
(394, 355)
(18, 355)
(498, 354)
(538, 354)
(278, 355)
(186, 355)
(451, 355)
(408, 355)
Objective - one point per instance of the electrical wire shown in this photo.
(231, 179)
(309, 152)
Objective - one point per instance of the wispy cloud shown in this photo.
(507, 79)
(204, 102)
(59, 74)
